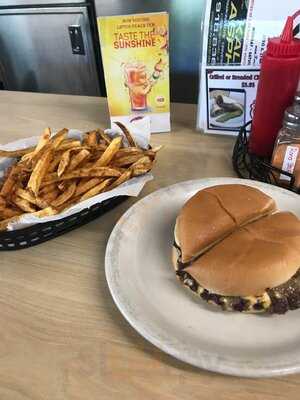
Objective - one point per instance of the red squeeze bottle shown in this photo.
(278, 81)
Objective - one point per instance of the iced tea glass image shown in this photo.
(137, 81)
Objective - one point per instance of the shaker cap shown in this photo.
(286, 45)
(292, 117)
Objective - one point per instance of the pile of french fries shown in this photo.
(60, 172)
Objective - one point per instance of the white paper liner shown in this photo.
(140, 130)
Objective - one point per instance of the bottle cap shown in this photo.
(292, 117)
(286, 45)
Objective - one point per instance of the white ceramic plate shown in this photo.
(143, 284)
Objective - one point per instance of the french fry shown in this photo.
(39, 172)
(127, 160)
(106, 139)
(64, 162)
(4, 224)
(9, 182)
(84, 139)
(101, 147)
(109, 153)
(62, 186)
(65, 196)
(21, 180)
(27, 157)
(42, 143)
(38, 201)
(54, 164)
(101, 172)
(86, 185)
(74, 200)
(142, 166)
(9, 213)
(127, 134)
(68, 144)
(91, 139)
(25, 195)
(16, 153)
(96, 189)
(47, 189)
(77, 159)
(59, 137)
(78, 148)
(120, 169)
(140, 170)
(143, 160)
(24, 205)
(8, 188)
(50, 196)
(123, 178)
(127, 151)
(46, 212)
(41, 213)
(156, 149)
(89, 165)
(44, 140)
(152, 153)
(59, 172)
(94, 157)
(2, 202)
(31, 163)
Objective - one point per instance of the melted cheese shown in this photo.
(176, 233)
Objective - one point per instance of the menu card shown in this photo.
(135, 54)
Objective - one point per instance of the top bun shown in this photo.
(215, 212)
(259, 256)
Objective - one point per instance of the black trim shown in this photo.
(96, 46)
(51, 5)
(39, 233)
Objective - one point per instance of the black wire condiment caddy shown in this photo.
(250, 166)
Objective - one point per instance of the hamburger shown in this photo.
(234, 249)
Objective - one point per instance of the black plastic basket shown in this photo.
(250, 166)
(39, 233)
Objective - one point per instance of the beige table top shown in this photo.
(61, 336)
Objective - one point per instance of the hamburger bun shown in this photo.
(262, 255)
(251, 267)
(215, 212)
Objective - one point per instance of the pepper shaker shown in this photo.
(286, 154)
